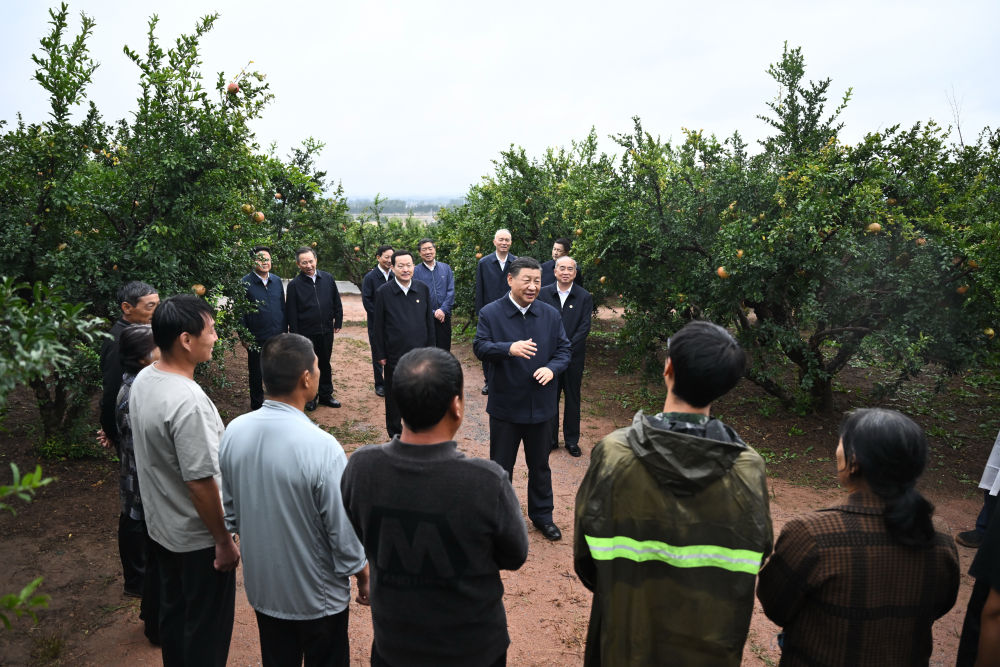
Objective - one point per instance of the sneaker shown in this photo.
(970, 538)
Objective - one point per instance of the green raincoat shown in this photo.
(671, 529)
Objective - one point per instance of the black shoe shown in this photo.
(970, 538)
(330, 402)
(574, 450)
(132, 593)
(380, 391)
(311, 405)
(486, 389)
(549, 530)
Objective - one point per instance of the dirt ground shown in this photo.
(68, 534)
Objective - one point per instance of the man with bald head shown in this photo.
(491, 279)
(576, 306)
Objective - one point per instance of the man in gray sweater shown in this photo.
(437, 528)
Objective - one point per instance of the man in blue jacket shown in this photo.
(526, 347)
(576, 306)
(439, 277)
(491, 280)
(313, 309)
(266, 293)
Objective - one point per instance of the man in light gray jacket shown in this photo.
(281, 494)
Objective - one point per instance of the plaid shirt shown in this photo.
(846, 594)
(128, 477)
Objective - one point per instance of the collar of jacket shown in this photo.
(860, 502)
(512, 309)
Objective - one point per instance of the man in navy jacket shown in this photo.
(560, 248)
(491, 280)
(526, 347)
(266, 293)
(313, 309)
(576, 306)
(380, 275)
(403, 322)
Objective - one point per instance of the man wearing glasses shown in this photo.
(266, 294)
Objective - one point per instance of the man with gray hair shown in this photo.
(281, 494)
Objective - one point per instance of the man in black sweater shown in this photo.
(313, 309)
(403, 321)
(437, 528)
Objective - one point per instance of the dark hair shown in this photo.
(303, 250)
(382, 249)
(890, 451)
(184, 313)
(282, 361)
(522, 263)
(565, 243)
(426, 240)
(401, 253)
(134, 346)
(424, 383)
(259, 248)
(131, 292)
(707, 362)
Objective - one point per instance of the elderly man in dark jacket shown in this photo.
(138, 300)
(313, 309)
(526, 347)
(403, 321)
(265, 293)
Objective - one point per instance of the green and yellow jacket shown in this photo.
(672, 525)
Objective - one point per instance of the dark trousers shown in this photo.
(322, 642)
(569, 386)
(393, 422)
(986, 513)
(256, 379)
(132, 551)
(442, 333)
(376, 366)
(323, 347)
(505, 438)
(149, 609)
(377, 660)
(197, 603)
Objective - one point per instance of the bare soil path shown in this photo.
(68, 533)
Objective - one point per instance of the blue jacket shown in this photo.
(313, 308)
(516, 396)
(491, 281)
(441, 282)
(269, 320)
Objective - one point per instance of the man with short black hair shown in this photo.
(575, 305)
(176, 431)
(403, 321)
(439, 277)
(281, 492)
(491, 281)
(526, 346)
(137, 300)
(380, 275)
(313, 309)
(438, 527)
(267, 295)
(672, 520)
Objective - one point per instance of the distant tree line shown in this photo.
(389, 206)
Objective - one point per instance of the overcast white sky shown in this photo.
(414, 99)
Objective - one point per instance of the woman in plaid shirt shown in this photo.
(862, 583)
